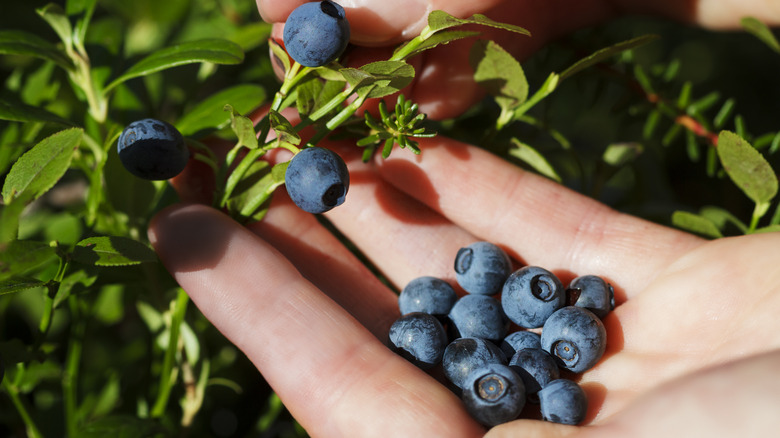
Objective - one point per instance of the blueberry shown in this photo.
(427, 294)
(479, 316)
(494, 394)
(594, 294)
(530, 295)
(563, 401)
(536, 367)
(316, 33)
(516, 341)
(420, 338)
(464, 355)
(152, 149)
(317, 179)
(575, 337)
(482, 268)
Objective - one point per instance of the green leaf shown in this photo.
(382, 78)
(747, 167)
(84, 8)
(533, 158)
(21, 256)
(620, 154)
(122, 426)
(768, 229)
(606, 53)
(112, 251)
(499, 73)
(721, 217)
(19, 42)
(19, 112)
(35, 172)
(438, 39)
(255, 190)
(217, 51)
(242, 127)
(58, 20)
(285, 132)
(210, 113)
(440, 20)
(279, 55)
(18, 284)
(762, 32)
(695, 224)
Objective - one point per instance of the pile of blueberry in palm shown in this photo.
(498, 369)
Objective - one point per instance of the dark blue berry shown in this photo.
(427, 294)
(530, 295)
(317, 179)
(563, 401)
(536, 367)
(494, 394)
(464, 355)
(482, 268)
(593, 293)
(316, 33)
(479, 316)
(420, 338)
(516, 341)
(152, 149)
(575, 337)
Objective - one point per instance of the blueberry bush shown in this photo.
(673, 124)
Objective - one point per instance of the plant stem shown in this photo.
(13, 394)
(70, 375)
(169, 373)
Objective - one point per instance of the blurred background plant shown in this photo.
(96, 338)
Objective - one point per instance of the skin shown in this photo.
(692, 349)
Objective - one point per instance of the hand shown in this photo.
(692, 346)
(443, 87)
(313, 319)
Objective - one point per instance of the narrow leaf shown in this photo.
(762, 32)
(58, 20)
(210, 113)
(18, 284)
(747, 167)
(721, 217)
(724, 113)
(695, 224)
(217, 51)
(21, 256)
(285, 132)
(620, 154)
(379, 79)
(242, 127)
(19, 112)
(533, 158)
(440, 20)
(35, 172)
(606, 53)
(112, 251)
(437, 39)
(499, 73)
(18, 42)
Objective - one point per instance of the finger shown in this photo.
(334, 376)
(378, 22)
(326, 262)
(540, 220)
(404, 238)
(735, 399)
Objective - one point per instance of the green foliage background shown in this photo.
(612, 131)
